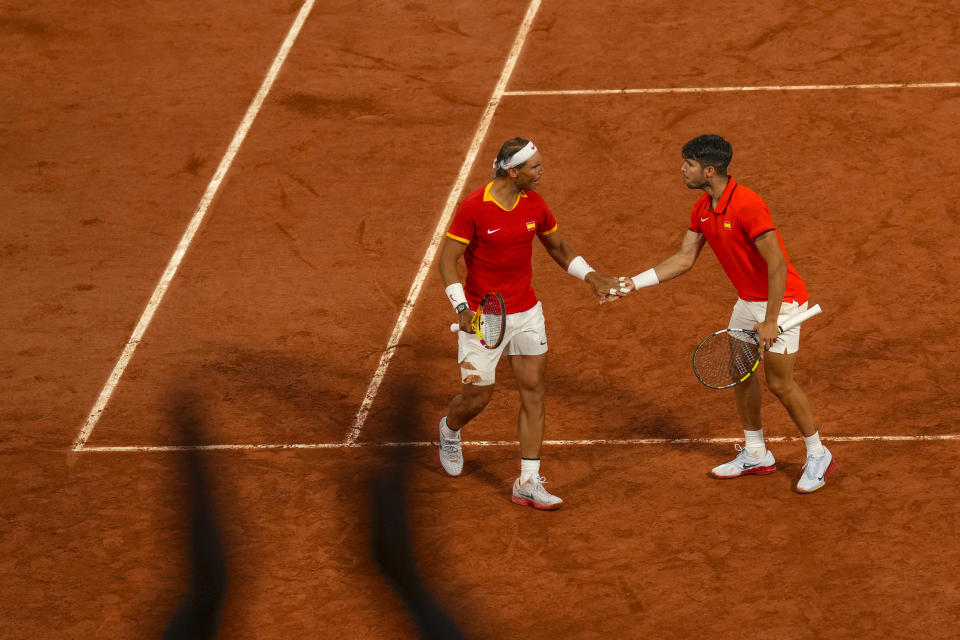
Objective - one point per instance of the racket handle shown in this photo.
(454, 327)
(797, 318)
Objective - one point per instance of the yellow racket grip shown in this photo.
(475, 323)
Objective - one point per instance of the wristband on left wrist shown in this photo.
(579, 268)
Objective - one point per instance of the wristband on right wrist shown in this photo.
(456, 296)
(646, 279)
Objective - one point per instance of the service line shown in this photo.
(795, 87)
(161, 289)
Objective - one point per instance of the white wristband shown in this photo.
(579, 268)
(455, 295)
(646, 279)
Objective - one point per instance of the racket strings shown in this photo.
(744, 352)
(491, 322)
(727, 358)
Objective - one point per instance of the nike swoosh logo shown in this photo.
(704, 219)
(489, 231)
(747, 465)
(825, 472)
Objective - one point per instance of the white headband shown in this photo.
(518, 158)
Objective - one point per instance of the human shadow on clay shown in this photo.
(390, 534)
(197, 616)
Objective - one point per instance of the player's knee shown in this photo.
(532, 384)
(780, 387)
(539, 390)
(534, 394)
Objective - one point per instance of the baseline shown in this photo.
(505, 443)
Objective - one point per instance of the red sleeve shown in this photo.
(695, 218)
(547, 223)
(464, 225)
(755, 219)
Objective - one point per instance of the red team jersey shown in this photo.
(742, 216)
(500, 245)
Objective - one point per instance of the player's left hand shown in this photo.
(601, 285)
(610, 289)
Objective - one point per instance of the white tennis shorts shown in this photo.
(747, 314)
(525, 334)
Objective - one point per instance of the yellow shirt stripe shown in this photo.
(489, 198)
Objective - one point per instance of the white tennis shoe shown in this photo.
(745, 465)
(815, 472)
(532, 494)
(451, 453)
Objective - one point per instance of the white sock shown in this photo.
(529, 467)
(814, 446)
(755, 444)
(447, 432)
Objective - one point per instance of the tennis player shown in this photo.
(736, 223)
(493, 230)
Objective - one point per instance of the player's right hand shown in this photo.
(465, 319)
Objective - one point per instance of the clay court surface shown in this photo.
(307, 306)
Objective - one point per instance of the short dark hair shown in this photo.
(509, 148)
(710, 151)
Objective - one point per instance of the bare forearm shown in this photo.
(676, 265)
(769, 247)
(450, 254)
(448, 270)
(776, 285)
(562, 254)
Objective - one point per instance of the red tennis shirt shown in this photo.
(500, 245)
(730, 230)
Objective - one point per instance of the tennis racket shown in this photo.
(728, 357)
(489, 321)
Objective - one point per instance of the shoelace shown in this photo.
(538, 482)
(743, 453)
(451, 448)
(810, 466)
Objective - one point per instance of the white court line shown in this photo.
(181, 250)
(797, 87)
(438, 233)
(506, 443)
